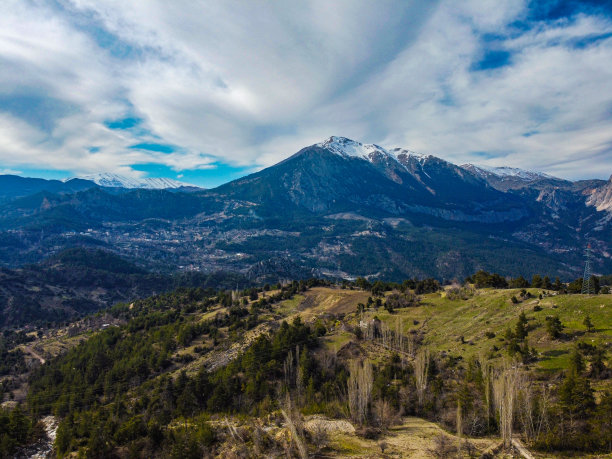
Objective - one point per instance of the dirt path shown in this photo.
(34, 354)
(521, 449)
(414, 438)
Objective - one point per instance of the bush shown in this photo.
(455, 293)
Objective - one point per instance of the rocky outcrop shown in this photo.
(601, 197)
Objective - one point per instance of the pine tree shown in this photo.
(588, 324)
(576, 395)
(576, 362)
(554, 326)
(521, 327)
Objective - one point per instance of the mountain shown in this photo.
(339, 175)
(14, 186)
(107, 179)
(504, 171)
(512, 178)
(338, 208)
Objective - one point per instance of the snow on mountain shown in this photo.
(347, 147)
(370, 152)
(107, 179)
(402, 153)
(504, 171)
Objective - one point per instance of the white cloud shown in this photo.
(239, 83)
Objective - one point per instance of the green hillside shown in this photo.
(444, 322)
(270, 372)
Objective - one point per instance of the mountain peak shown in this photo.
(350, 148)
(403, 152)
(505, 171)
(108, 179)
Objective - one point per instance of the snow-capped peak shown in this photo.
(403, 152)
(107, 179)
(347, 147)
(505, 171)
(373, 153)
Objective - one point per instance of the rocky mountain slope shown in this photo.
(601, 197)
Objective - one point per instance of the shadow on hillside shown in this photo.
(554, 353)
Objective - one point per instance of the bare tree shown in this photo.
(486, 369)
(421, 369)
(459, 420)
(294, 425)
(443, 447)
(404, 396)
(299, 377)
(525, 406)
(532, 407)
(359, 384)
(289, 370)
(384, 414)
(504, 393)
(320, 437)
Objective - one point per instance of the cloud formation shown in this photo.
(108, 85)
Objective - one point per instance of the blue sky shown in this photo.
(205, 92)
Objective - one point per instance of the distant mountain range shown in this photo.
(337, 208)
(110, 180)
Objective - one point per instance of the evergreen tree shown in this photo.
(519, 282)
(554, 327)
(521, 327)
(537, 281)
(576, 395)
(587, 323)
(576, 362)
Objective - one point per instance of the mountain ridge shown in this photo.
(338, 206)
(111, 180)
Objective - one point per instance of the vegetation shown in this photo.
(16, 429)
(78, 281)
(185, 369)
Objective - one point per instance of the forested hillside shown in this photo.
(338, 369)
(76, 282)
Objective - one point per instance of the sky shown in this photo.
(208, 91)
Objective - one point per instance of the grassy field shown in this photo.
(414, 437)
(460, 326)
